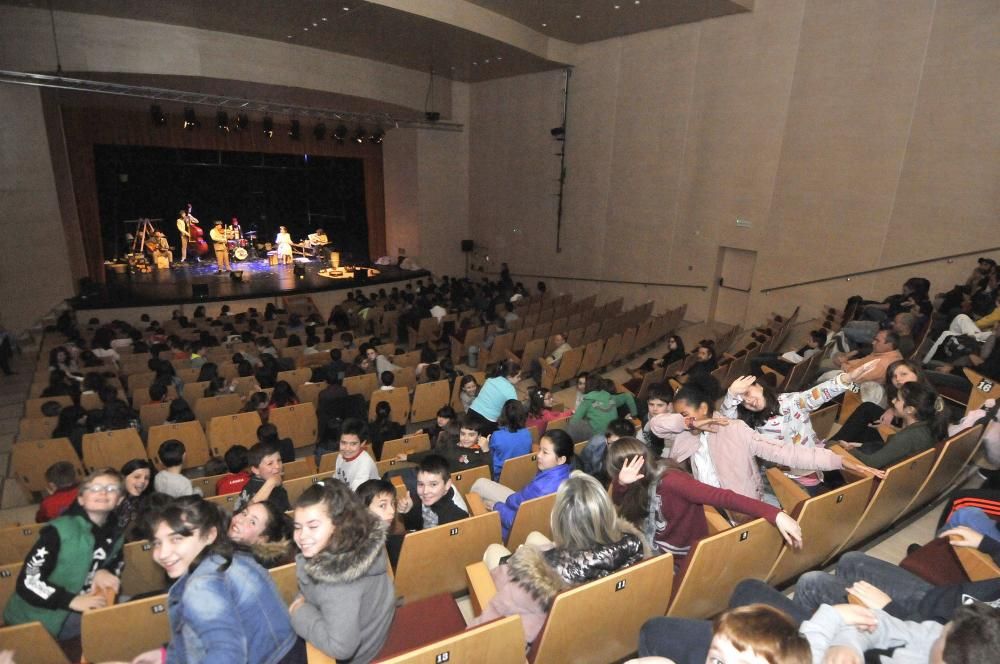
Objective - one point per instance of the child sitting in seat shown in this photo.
(171, 480)
(346, 600)
(76, 554)
(60, 483)
(379, 496)
(265, 479)
(354, 464)
(434, 493)
(238, 463)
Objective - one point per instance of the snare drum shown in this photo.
(240, 254)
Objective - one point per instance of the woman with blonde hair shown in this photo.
(589, 542)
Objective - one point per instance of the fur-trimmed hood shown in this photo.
(545, 574)
(347, 566)
(270, 554)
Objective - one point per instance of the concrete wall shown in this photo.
(852, 135)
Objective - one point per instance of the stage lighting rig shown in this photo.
(190, 121)
(360, 135)
(319, 131)
(295, 130)
(222, 121)
(268, 126)
(242, 121)
(156, 113)
(377, 136)
(340, 133)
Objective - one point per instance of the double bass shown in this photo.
(197, 242)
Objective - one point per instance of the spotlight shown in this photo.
(319, 131)
(377, 136)
(295, 130)
(190, 121)
(268, 125)
(242, 121)
(299, 272)
(360, 135)
(222, 121)
(340, 133)
(156, 113)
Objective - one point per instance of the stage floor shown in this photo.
(175, 286)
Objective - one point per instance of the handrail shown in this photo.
(605, 281)
(879, 269)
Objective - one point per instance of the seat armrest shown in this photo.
(481, 586)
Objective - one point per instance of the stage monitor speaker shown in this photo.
(468, 245)
(236, 275)
(299, 272)
(199, 291)
(360, 275)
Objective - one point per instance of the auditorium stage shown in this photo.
(260, 280)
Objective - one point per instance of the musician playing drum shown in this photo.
(218, 236)
(162, 247)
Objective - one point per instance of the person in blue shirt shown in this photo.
(555, 462)
(512, 438)
(495, 394)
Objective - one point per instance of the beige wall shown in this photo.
(34, 273)
(852, 135)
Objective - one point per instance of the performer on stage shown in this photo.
(318, 241)
(182, 228)
(284, 242)
(163, 247)
(218, 235)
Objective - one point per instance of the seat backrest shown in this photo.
(32, 643)
(224, 404)
(189, 433)
(955, 454)
(398, 400)
(8, 582)
(822, 420)
(826, 521)
(463, 480)
(226, 502)
(36, 428)
(194, 392)
(120, 632)
(719, 562)
(284, 578)
(598, 621)
(362, 385)
(533, 515)
(591, 356)
(299, 468)
(112, 449)
(982, 389)
(295, 377)
(428, 398)
(411, 444)
(16, 541)
(518, 471)
(891, 495)
(140, 573)
(229, 430)
(206, 484)
(296, 487)
(33, 407)
(434, 560)
(297, 422)
(532, 351)
(610, 350)
(497, 642)
(30, 459)
(847, 407)
(153, 414)
(569, 364)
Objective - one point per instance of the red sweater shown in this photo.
(680, 515)
(232, 483)
(54, 505)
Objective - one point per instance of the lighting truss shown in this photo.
(221, 102)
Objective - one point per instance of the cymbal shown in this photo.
(251, 233)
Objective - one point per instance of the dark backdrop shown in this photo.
(302, 192)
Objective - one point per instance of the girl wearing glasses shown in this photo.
(77, 557)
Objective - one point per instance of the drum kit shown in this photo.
(240, 244)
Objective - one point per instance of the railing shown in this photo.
(603, 281)
(848, 275)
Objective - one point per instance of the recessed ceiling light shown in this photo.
(487, 60)
(475, 64)
(578, 16)
(289, 36)
(545, 25)
(499, 58)
(315, 24)
(323, 19)
(618, 6)
(305, 29)
(347, 9)
(636, 1)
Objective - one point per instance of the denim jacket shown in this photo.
(234, 615)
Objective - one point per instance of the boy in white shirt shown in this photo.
(354, 465)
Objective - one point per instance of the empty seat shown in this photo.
(955, 454)
(518, 471)
(533, 515)
(411, 444)
(36, 428)
(208, 407)
(228, 430)
(120, 632)
(428, 398)
(112, 449)
(296, 422)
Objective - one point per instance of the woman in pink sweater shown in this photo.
(668, 505)
(724, 454)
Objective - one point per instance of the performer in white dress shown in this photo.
(284, 242)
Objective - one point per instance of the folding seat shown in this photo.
(120, 632)
(32, 643)
(297, 422)
(189, 433)
(30, 459)
(112, 449)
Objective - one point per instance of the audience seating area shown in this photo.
(596, 622)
